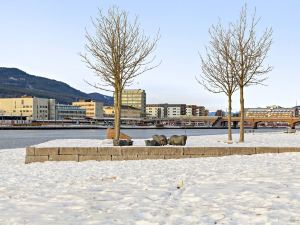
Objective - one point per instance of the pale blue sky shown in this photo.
(45, 37)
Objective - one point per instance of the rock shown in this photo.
(122, 142)
(110, 134)
(161, 139)
(178, 140)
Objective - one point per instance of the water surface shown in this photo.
(23, 138)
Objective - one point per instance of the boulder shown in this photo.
(122, 142)
(110, 134)
(178, 140)
(161, 139)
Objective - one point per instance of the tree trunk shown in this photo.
(117, 107)
(229, 118)
(242, 114)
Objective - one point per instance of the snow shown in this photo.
(249, 189)
(251, 140)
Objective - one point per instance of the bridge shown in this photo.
(254, 121)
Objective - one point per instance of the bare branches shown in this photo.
(119, 50)
(235, 59)
(251, 50)
(217, 76)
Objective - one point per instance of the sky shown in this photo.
(45, 38)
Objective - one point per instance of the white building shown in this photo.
(155, 111)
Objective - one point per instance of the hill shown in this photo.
(15, 83)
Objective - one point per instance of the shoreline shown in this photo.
(129, 128)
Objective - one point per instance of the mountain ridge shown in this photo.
(15, 83)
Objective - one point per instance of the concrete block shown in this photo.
(78, 151)
(63, 158)
(217, 151)
(176, 156)
(242, 150)
(261, 150)
(162, 150)
(124, 157)
(288, 149)
(94, 157)
(194, 150)
(142, 157)
(32, 159)
(132, 150)
(109, 150)
(30, 151)
(46, 151)
(87, 150)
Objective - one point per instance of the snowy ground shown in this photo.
(257, 140)
(255, 189)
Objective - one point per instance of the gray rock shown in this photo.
(122, 142)
(177, 140)
(161, 139)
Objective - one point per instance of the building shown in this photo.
(190, 110)
(173, 110)
(135, 98)
(64, 112)
(155, 111)
(93, 109)
(52, 109)
(201, 111)
(176, 110)
(126, 112)
(32, 108)
(272, 111)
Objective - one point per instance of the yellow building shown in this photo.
(31, 107)
(135, 98)
(126, 112)
(93, 109)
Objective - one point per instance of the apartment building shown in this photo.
(32, 108)
(201, 111)
(155, 111)
(173, 110)
(93, 109)
(135, 98)
(176, 110)
(190, 110)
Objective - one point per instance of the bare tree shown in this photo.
(216, 75)
(249, 51)
(118, 53)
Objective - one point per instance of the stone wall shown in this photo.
(80, 154)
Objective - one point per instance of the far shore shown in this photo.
(78, 127)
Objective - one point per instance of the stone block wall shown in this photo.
(80, 154)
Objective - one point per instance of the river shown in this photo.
(22, 138)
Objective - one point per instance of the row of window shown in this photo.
(71, 112)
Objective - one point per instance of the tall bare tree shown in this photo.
(217, 75)
(118, 52)
(248, 56)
